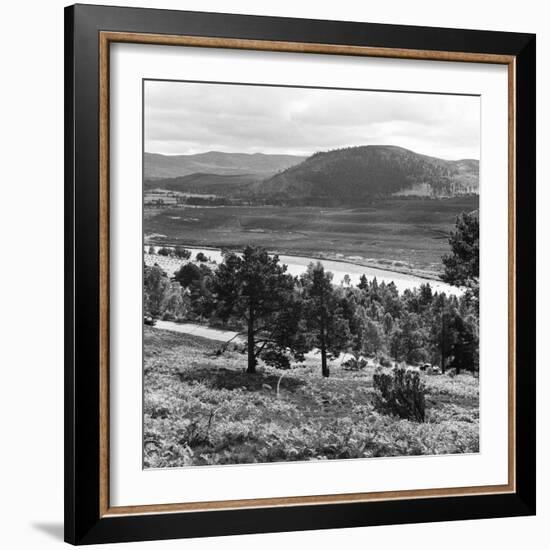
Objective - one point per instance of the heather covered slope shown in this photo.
(201, 408)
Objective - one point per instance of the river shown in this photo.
(296, 265)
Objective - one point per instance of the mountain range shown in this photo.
(350, 175)
(157, 166)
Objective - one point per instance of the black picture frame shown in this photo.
(84, 523)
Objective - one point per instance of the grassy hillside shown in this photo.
(414, 231)
(346, 176)
(201, 408)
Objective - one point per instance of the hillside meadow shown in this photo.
(414, 231)
(201, 408)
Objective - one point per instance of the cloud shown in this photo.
(185, 118)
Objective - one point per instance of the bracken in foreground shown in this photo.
(201, 408)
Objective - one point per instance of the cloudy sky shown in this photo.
(188, 118)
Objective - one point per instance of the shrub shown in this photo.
(165, 251)
(354, 364)
(400, 392)
(275, 358)
(201, 257)
(151, 250)
(384, 360)
(181, 252)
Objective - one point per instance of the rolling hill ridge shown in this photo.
(353, 175)
(370, 172)
(157, 166)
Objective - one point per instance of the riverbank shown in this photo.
(343, 271)
(395, 266)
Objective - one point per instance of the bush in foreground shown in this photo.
(400, 392)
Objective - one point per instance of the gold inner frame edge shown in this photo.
(105, 39)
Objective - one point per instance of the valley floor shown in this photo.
(412, 233)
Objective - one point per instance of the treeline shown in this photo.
(284, 317)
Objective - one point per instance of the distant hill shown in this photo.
(370, 172)
(157, 166)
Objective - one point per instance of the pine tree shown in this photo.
(442, 333)
(155, 286)
(324, 317)
(187, 274)
(256, 288)
(462, 265)
(363, 282)
(465, 348)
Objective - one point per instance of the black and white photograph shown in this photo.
(310, 273)
(294, 266)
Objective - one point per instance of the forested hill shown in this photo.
(369, 172)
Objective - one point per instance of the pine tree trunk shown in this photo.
(324, 367)
(251, 345)
(443, 358)
(323, 341)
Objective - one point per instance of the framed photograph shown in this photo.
(300, 274)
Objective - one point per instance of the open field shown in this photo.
(413, 231)
(201, 408)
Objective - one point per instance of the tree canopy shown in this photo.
(462, 265)
(256, 288)
(324, 316)
(283, 317)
